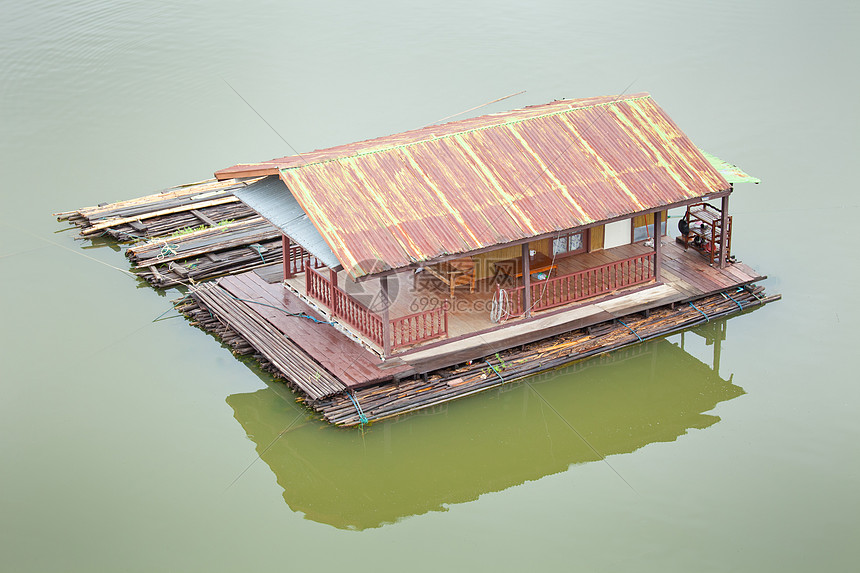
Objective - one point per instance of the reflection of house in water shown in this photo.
(647, 393)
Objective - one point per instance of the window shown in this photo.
(568, 244)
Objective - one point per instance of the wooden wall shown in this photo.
(484, 262)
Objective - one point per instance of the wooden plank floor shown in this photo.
(686, 276)
(337, 353)
(687, 272)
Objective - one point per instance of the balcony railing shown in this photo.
(557, 291)
(299, 258)
(420, 326)
(405, 331)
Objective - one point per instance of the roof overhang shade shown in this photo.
(732, 173)
(272, 200)
(465, 186)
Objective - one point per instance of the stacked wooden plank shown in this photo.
(188, 233)
(206, 202)
(389, 400)
(207, 252)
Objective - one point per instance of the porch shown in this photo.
(422, 314)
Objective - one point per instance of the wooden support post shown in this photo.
(527, 281)
(724, 231)
(332, 277)
(658, 243)
(386, 321)
(285, 245)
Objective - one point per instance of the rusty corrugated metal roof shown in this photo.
(492, 180)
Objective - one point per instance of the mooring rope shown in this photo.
(707, 319)
(167, 250)
(260, 250)
(361, 417)
(728, 296)
(493, 368)
(297, 314)
(630, 329)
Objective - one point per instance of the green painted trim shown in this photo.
(732, 173)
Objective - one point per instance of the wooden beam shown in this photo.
(332, 277)
(658, 243)
(527, 281)
(113, 222)
(386, 322)
(285, 247)
(724, 235)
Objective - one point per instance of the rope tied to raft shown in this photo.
(296, 314)
(728, 296)
(707, 319)
(260, 250)
(630, 329)
(493, 368)
(361, 417)
(167, 250)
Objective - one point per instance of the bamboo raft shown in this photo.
(200, 231)
(184, 234)
(420, 391)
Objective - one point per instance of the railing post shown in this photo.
(724, 235)
(332, 277)
(527, 281)
(658, 217)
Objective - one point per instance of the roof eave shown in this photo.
(454, 256)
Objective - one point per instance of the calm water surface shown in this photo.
(136, 445)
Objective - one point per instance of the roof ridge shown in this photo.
(513, 121)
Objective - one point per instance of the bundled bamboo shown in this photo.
(186, 234)
(207, 252)
(215, 310)
(207, 202)
(282, 353)
(390, 400)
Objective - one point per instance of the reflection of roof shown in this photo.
(492, 180)
(619, 402)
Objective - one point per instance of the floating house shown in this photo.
(426, 265)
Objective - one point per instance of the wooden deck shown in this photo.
(686, 275)
(280, 311)
(343, 373)
(287, 324)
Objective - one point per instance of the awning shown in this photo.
(732, 173)
(271, 198)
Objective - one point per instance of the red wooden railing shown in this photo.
(421, 326)
(343, 306)
(357, 315)
(317, 286)
(405, 331)
(580, 285)
(299, 258)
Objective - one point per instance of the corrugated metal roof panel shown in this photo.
(732, 173)
(495, 179)
(271, 199)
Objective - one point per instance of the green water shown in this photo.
(132, 445)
